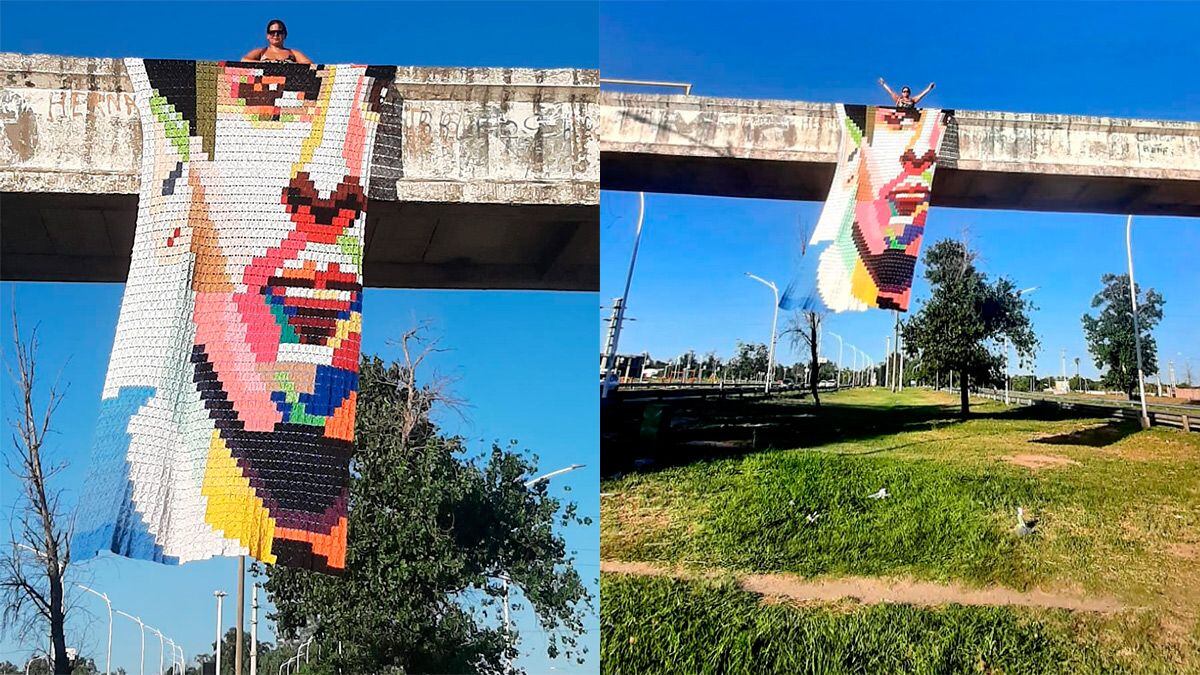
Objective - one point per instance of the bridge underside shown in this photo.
(810, 181)
(89, 237)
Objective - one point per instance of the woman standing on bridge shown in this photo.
(275, 51)
(905, 99)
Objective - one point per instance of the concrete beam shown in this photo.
(495, 185)
(787, 150)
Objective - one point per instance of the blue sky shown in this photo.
(1115, 59)
(542, 343)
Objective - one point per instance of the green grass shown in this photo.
(941, 521)
(658, 625)
(1109, 522)
(1119, 517)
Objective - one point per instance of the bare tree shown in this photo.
(804, 330)
(416, 345)
(39, 527)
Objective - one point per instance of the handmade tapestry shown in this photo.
(227, 419)
(866, 241)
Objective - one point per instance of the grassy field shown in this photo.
(656, 625)
(1118, 510)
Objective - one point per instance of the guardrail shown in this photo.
(1185, 418)
(663, 391)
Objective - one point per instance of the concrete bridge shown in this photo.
(496, 184)
(787, 150)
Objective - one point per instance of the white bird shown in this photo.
(882, 494)
(1024, 527)
(812, 517)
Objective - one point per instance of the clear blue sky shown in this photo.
(1116, 59)
(543, 344)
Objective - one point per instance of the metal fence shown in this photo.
(1186, 418)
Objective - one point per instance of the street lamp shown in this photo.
(173, 648)
(142, 626)
(774, 323)
(219, 595)
(547, 476)
(1137, 336)
(504, 577)
(838, 379)
(108, 653)
(862, 366)
(161, 647)
(1023, 291)
(610, 359)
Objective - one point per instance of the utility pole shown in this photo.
(619, 311)
(1063, 361)
(1137, 335)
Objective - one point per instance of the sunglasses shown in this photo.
(277, 32)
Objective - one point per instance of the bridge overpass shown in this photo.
(496, 185)
(991, 160)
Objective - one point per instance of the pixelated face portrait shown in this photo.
(894, 183)
(263, 199)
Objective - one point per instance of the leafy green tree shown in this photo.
(1110, 335)
(960, 327)
(749, 362)
(433, 537)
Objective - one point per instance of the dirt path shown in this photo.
(794, 588)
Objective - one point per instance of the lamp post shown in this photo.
(504, 577)
(610, 359)
(220, 595)
(142, 626)
(161, 646)
(1023, 291)
(774, 323)
(547, 476)
(1137, 335)
(108, 652)
(853, 366)
(887, 364)
(254, 630)
(838, 379)
(173, 648)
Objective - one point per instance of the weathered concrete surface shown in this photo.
(787, 150)
(496, 184)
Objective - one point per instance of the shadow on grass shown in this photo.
(692, 431)
(1094, 437)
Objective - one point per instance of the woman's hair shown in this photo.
(272, 22)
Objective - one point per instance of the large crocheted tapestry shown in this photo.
(866, 241)
(227, 420)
